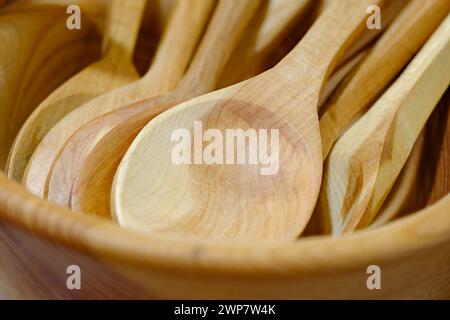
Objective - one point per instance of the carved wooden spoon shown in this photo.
(91, 190)
(241, 202)
(225, 30)
(172, 57)
(427, 179)
(367, 159)
(386, 59)
(115, 69)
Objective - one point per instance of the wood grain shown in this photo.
(114, 70)
(28, 76)
(367, 159)
(432, 181)
(275, 21)
(409, 253)
(386, 59)
(227, 25)
(219, 202)
(173, 55)
(399, 195)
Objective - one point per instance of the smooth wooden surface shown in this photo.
(391, 53)
(217, 202)
(174, 54)
(28, 76)
(402, 189)
(225, 30)
(269, 28)
(114, 70)
(413, 254)
(367, 159)
(99, 151)
(433, 173)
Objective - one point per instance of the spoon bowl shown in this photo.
(235, 202)
(219, 190)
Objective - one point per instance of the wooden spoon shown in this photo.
(91, 190)
(265, 33)
(425, 178)
(367, 159)
(228, 24)
(402, 189)
(241, 202)
(115, 69)
(431, 171)
(387, 58)
(29, 35)
(172, 57)
(88, 152)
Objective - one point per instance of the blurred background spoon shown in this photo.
(173, 55)
(228, 23)
(407, 34)
(368, 158)
(29, 35)
(115, 69)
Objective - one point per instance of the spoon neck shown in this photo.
(122, 29)
(315, 57)
(178, 43)
(227, 26)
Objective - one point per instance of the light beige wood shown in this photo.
(28, 75)
(83, 174)
(228, 24)
(114, 70)
(173, 55)
(386, 59)
(367, 159)
(389, 13)
(237, 202)
(119, 263)
(271, 36)
(403, 187)
(265, 33)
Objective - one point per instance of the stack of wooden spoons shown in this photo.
(256, 119)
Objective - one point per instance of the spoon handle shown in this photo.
(124, 20)
(389, 55)
(224, 32)
(368, 158)
(326, 42)
(179, 42)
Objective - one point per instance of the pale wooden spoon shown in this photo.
(115, 69)
(265, 33)
(403, 187)
(225, 30)
(173, 55)
(91, 190)
(367, 159)
(386, 59)
(152, 194)
(29, 35)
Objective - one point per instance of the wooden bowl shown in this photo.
(39, 241)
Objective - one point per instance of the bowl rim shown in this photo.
(104, 240)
